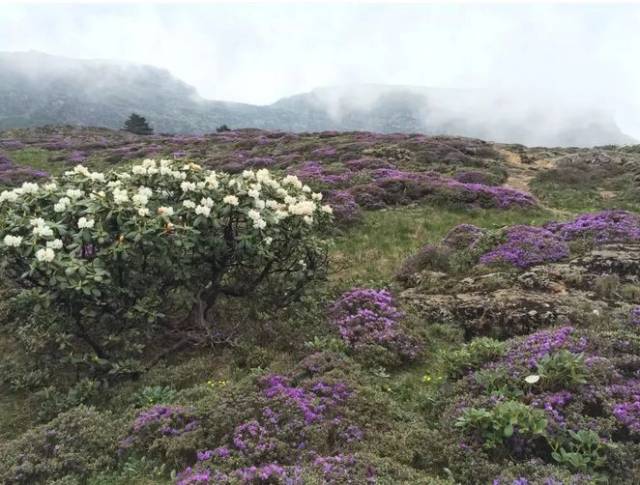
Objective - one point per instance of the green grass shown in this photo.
(372, 251)
(614, 194)
(37, 158)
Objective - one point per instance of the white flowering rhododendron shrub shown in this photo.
(107, 257)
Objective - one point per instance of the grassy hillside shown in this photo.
(502, 346)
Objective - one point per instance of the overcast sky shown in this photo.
(583, 54)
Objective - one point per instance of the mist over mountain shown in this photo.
(38, 89)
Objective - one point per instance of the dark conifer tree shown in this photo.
(137, 124)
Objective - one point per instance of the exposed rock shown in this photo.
(505, 303)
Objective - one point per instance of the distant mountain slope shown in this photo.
(38, 89)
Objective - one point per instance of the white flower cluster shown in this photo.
(45, 255)
(84, 223)
(62, 204)
(14, 195)
(82, 170)
(40, 228)
(265, 201)
(12, 241)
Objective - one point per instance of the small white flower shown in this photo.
(187, 186)
(84, 223)
(254, 194)
(139, 170)
(316, 196)
(532, 379)
(306, 189)
(96, 176)
(29, 188)
(207, 202)
(281, 214)
(212, 180)
(268, 240)
(42, 231)
(51, 186)
(253, 214)
(203, 210)
(55, 244)
(259, 223)
(62, 204)
(263, 175)
(165, 211)
(308, 220)
(189, 204)
(45, 255)
(75, 193)
(143, 211)
(140, 199)
(10, 195)
(327, 208)
(12, 241)
(259, 204)
(293, 181)
(231, 200)
(248, 174)
(146, 191)
(81, 169)
(303, 208)
(120, 196)
(38, 221)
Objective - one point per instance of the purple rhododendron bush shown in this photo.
(250, 307)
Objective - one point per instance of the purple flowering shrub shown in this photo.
(599, 227)
(298, 430)
(634, 316)
(366, 317)
(166, 432)
(345, 209)
(527, 246)
(583, 416)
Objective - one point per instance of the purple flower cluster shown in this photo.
(600, 227)
(528, 351)
(190, 476)
(314, 172)
(553, 404)
(368, 316)
(634, 316)
(312, 403)
(488, 196)
(340, 468)
(345, 208)
(251, 437)
(159, 421)
(527, 246)
(628, 413)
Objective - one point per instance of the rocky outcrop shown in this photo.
(506, 303)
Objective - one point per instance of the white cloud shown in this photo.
(580, 54)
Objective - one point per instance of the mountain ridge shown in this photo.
(40, 89)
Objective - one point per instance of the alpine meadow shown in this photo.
(372, 282)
